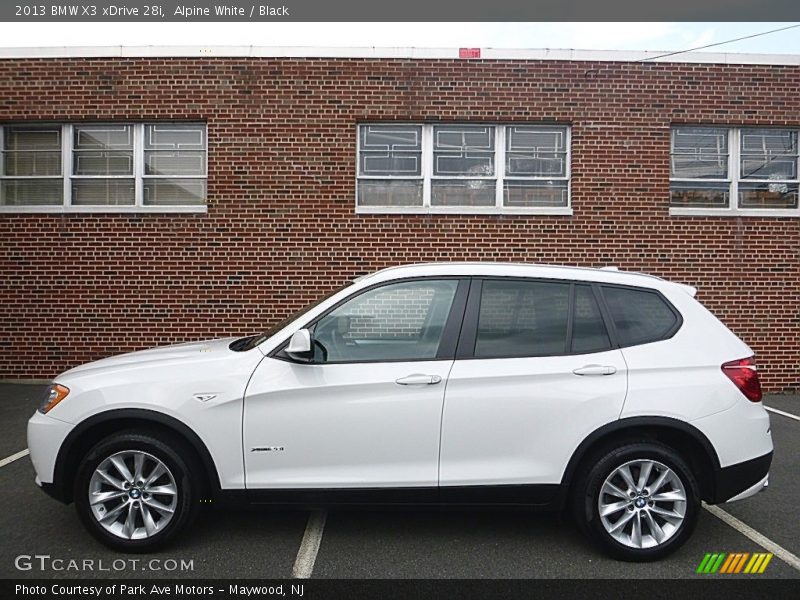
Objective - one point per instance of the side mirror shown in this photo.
(299, 347)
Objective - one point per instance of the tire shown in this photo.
(664, 521)
(124, 508)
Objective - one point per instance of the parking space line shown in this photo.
(307, 554)
(9, 459)
(760, 539)
(782, 413)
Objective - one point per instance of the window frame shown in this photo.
(734, 177)
(138, 176)
(427, 176)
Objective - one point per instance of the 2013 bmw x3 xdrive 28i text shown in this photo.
(616, 395)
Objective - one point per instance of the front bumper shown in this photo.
(46, 435)
(741, 480)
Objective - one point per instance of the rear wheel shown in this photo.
(639, 501)
(134, 491)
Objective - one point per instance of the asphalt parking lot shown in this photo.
(385, 544)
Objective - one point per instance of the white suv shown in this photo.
(615, 395)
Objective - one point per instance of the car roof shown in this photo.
(510, 269)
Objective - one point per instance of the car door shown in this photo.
(366, 411)
(535, 373)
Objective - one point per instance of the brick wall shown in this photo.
(281, 226)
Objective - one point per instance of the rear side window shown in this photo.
(588, 329)
(522, 318)
(639, 316)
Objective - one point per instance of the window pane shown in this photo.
(384, 164)
(33, 138)
(175, 136)
(463, 150)
(175, 149)
(588, 329)
(699, 153)
(31, 151)
(401, 321)
(520, 318)
(462, 192)
(397, 192)
(536, 151)
(31, 164)
(522, 193)
(767, 195)
(174, 192)
(102, 163)
(31, 192)
(103, 137)
(388, 150)
(102, 192)
(769, 154)
(639, 316)
(174, 163)
(102, 150)
(700, 195)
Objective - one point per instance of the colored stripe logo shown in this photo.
(734, 562)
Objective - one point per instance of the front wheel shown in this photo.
(639, 501)
(134, 492)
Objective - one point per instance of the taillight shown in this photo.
(744, 374)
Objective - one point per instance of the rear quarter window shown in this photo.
(639, 316)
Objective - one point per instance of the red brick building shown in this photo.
(148, 199)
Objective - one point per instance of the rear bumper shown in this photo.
(741, 480)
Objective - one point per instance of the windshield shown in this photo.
(251, 341)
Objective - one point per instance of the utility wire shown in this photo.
(746, 37)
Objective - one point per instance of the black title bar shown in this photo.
(407, 10)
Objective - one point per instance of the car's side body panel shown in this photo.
(200, 385)
(342, 425)
(518, 420)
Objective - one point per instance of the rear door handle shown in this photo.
(418, 379)
(595, 370)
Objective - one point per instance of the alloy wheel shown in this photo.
(133, 494)
(642, 504)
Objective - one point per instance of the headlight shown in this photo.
(55, 395)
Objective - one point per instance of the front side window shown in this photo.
(399, 321)
(102, 167)
(734, 170)
(639, 316)
(463, 168)
(522, 318)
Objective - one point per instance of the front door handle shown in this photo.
(595, 370)
(418, 379)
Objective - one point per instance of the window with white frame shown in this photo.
(462, 168)
(104, 167)
(734, 170)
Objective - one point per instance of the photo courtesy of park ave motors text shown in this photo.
(362, 304)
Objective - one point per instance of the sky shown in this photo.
(590, 36)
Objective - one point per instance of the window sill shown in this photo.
(459, 210)
(734, 212)
(71, 210)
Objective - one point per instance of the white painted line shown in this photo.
(782, 413)
(762, 540)
(9, 459)
(307, 554)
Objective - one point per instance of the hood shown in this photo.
(165, 356)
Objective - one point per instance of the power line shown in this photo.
(739, 39)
